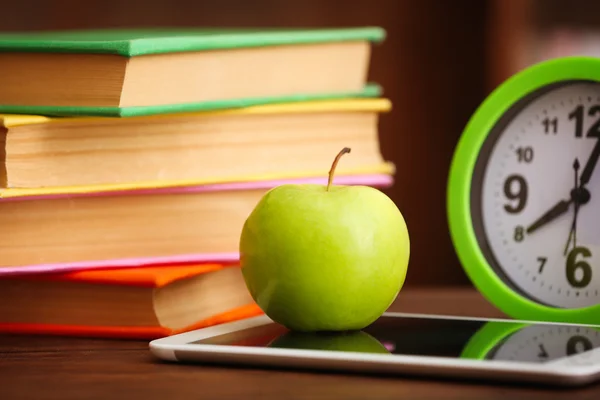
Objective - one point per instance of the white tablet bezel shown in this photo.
(574, 370)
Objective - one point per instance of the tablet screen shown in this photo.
(419, 336)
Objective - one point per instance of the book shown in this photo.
(137, 303)
(60, 229)
(263, 142)
(128, 72)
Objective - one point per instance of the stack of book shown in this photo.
(131, 159)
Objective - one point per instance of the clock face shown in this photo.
(535, 198)
(541, 343)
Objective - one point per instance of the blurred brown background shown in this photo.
(440, 60)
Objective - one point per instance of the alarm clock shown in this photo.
(523, 196)
(525, 342)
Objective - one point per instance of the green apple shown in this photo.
(357, 341)
(324, 257)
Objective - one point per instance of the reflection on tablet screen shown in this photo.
(431, 337)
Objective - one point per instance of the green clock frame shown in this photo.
(462, 232)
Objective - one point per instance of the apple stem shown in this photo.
(335, 163)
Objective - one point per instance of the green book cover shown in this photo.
(136, 42)
(370, 90)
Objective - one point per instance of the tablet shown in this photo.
(406, 344)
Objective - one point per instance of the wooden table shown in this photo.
(65, 368)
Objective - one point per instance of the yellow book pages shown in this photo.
(10, 120)
(386, 168)
(78, 155)
(347, 105)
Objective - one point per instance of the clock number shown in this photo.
(542, 261)
(543, 353)
(525, 154)
(519, 233)
(594, 131)
(519, 193)
(578, 344)
(550, 125)
(581, 268)
(578, 115)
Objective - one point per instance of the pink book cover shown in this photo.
(373, 180)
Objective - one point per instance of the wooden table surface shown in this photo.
(39, 367)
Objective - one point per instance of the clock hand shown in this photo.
(556, 211)
(574, 227)
(573, 231)
(580, 195)
(591, 164)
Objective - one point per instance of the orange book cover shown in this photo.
(146, 277)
